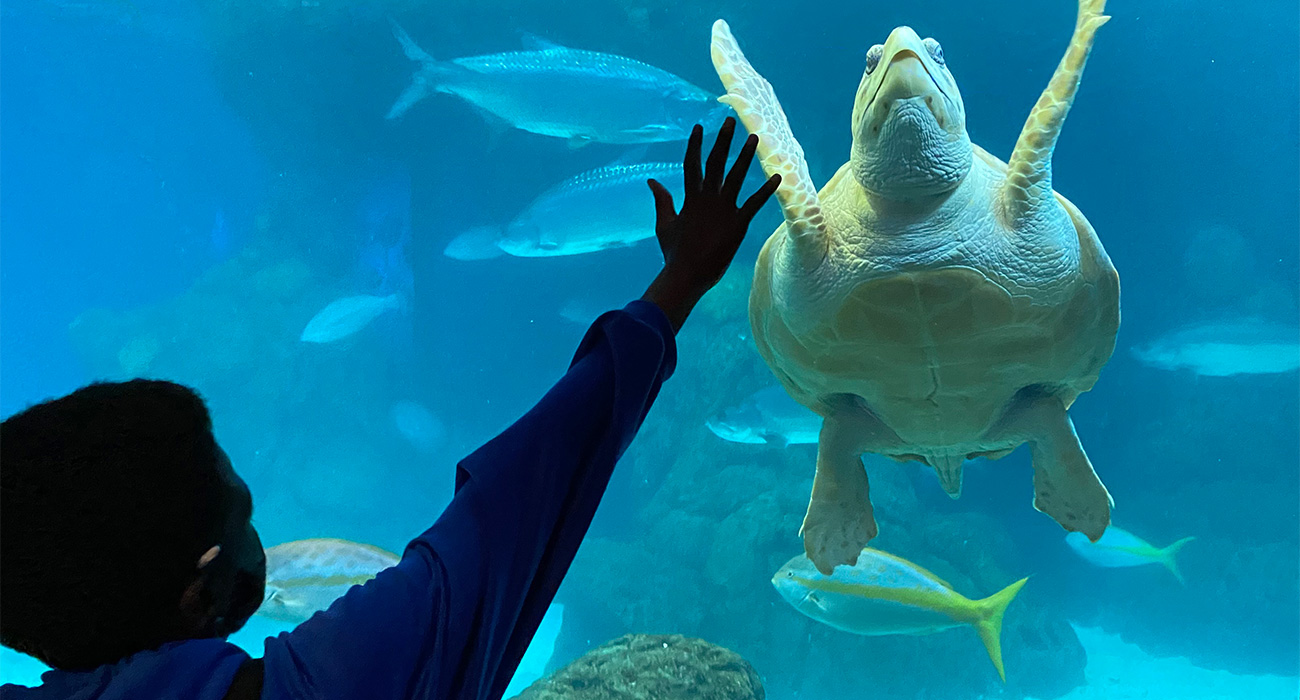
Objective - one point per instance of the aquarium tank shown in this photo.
(372, 234)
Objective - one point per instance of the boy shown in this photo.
(129, 554)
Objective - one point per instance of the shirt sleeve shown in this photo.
(452, 619)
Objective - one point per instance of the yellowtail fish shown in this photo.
(304, 577)
(1119, 548)
(884, 594)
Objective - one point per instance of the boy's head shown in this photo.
(112, 500)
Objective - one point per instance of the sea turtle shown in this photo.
(931, 302)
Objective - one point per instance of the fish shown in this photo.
(883, 594)
(1225, 348)
(581, 96)
(1120, 548)
(770, 417)
(418, 425)
(304, 577)
(600, 209)
(344, 317)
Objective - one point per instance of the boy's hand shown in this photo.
(700, 241)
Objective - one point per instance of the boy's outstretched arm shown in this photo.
(453, 618)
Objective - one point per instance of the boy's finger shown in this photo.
(736, 178)
(691, 165)
(717, 164)
(665, 211)
(759, 198)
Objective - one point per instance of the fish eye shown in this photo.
(874, 54)
(936, 51)
(789, 574)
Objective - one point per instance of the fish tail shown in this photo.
(988, 622)
(412, 49)
(426, 80)
(1167, 557)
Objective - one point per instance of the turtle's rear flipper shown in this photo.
(755, 103)
(840, 521)
(1065, 485)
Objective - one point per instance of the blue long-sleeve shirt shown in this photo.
(453, 618)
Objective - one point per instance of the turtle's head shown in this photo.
(909, 123)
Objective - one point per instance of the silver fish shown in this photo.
(768, 416)
(343, 317)
(609, 207)
(418, 425)
(1225, 348)
(582, 96)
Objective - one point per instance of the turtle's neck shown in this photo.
(912, 159)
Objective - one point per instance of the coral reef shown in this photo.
(652, 667)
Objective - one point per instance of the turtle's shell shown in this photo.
(937, 323)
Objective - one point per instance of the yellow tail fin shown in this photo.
(1167, 558)
(989, 622)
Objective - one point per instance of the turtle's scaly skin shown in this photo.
(931, 302)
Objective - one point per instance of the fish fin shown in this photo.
(989, 623)
(1167, 557)
(426, 80)
(777, 440)
(533, 42)
(578, 141)
(409, 47)
(416, 91)
(496, 128)
(480, 243)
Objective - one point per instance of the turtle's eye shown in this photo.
(936, 51)
(874, 55)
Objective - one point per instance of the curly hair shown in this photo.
(108, 496)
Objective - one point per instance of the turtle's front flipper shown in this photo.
(754, 101)
(840, 521)
(1065, 485)
(1029, 172)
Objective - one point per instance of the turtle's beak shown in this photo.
(907, 80)
(907, 77)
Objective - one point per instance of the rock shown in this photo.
(751, 544)
(652, 667)
(638, 589)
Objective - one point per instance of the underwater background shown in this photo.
(186, 184)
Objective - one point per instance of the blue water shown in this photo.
(184, 184)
